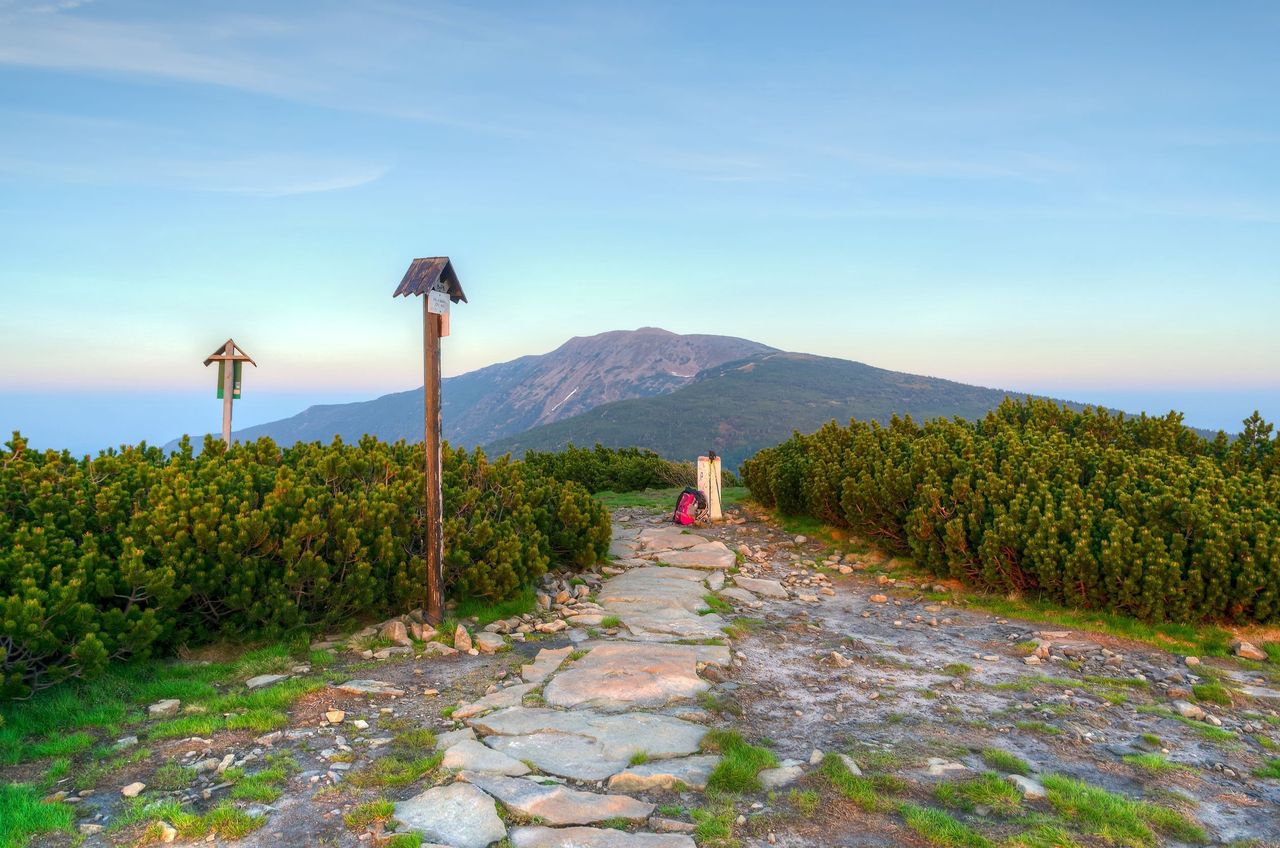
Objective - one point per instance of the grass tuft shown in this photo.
(368, 813)
(986, 790)
(740, 762)
(1004, 761)
(857, 788)
(1115, 818)
(939, 828)
(1151, 763)
(23, 815)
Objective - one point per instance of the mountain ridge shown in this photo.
(740, 407)
(510, 397)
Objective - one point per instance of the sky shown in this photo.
(1077, 199)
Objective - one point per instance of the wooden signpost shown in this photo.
(230, 359)
(433, 279)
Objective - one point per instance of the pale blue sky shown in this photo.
(1080, 199)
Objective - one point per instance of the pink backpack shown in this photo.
(688, 505)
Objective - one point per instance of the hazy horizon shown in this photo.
(89, 421)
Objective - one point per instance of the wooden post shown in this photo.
(228, 356)
(434, 528)
(433, 279)
(228, 388)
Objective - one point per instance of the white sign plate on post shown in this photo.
(438, 302)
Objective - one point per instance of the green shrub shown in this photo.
(1139, 516)
(136, 551)
(602, 469)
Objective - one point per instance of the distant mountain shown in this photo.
(511, 397)
(738, 408)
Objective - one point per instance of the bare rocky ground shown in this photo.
(591, 725)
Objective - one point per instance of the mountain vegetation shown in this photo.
(141, 551)
(741, 407)
(1087, 508)
(602, 469)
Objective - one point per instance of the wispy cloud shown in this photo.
(274, 175)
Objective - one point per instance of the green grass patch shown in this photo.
(610, 621)
(713, 826)
(663, 499)
(1199, 640)
(1043, 835)
(408, 761)
(72, 717)
(986, 790)
(486, 612)
(859, 789)
(368, 813)
(740, 762)
(1004, 761)
(742, 625)
(957, 669)
(224, 821)
(1151, 763)
(1208, 731)
(1115, 818)
(1212, 692)
(395, 770)
(1270, 769)
(804, 800)
(717, 604)
(940, 828)
(639, 758)
(267, 785)
(23, 815)
(722, 704)
(171, 777)
(1041, 727)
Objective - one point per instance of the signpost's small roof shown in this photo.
(424, 275)
(220, 355)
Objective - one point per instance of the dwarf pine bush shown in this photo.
(1098, 510)
(136, 551)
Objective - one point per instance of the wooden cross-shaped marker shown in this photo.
(228, 356)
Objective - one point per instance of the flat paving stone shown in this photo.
(594, 837)
(669, 538)
(666, 774)
(474, 756)
(459, 815)
(742, 596)
(622, 548)
(760, 586)
(546, 662)
(623, 676)
(373, 688)
(585, 744)
(446, 740)
(661, 604)
(669, 625)
(707, 654)
(263, 680)
(503, 698)
(558, 805)
(712, 555)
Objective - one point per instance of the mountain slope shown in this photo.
(737, 408)
(509, 398)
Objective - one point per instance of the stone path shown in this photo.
(611, 716)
